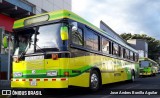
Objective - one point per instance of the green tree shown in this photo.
(153, 44)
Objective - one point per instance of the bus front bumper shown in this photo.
(145, 73)
(40, 83)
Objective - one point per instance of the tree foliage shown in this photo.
(153, 44)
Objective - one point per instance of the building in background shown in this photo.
(11, 10)
(141, 45)
(42, 6)
(111, 32)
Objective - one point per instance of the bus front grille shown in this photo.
(36, 64)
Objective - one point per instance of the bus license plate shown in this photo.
(32, 58)
(33, 83)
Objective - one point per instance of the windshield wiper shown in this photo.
(40, 49)
(23, 53)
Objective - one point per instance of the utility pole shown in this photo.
(1, 38)
(9, 56)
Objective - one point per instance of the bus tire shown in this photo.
(151, 73)
(132, 76)
(94, 80)
(154, 74)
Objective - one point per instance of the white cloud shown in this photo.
(79, 5)
(122, 16)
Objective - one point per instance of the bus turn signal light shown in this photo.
(66, 73)
(54, 56)
(16, 59)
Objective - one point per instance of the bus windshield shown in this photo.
(144, 64)
(44, 39)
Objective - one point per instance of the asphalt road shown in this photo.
(141, 88)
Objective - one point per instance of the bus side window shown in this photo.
(134, 56)
(77, 37)
(105, 46)
(95, 42)
(122, 54)
(131, 55)
(115, 49)
(137, 57)
(126, 53)
(91, 40)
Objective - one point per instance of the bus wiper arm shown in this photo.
(41, 49)
(23, 53)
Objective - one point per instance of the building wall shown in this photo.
(21, 4)
(6, 22)
(112, 33)
(140, 45)
(40, 6)
(50, 5)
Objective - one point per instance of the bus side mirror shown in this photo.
(5, 42)
(64, 33)
(74, 26)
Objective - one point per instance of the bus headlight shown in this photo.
(52, 73)
(17, 74)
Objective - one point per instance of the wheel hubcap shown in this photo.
(132, 78)
(94, 80)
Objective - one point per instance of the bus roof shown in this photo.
(70, 15)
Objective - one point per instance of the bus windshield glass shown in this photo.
(43, 39)
(144, 64)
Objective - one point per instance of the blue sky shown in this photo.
(130, 16)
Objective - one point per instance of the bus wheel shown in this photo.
(154, 74)
(94, 80)
(132, 77)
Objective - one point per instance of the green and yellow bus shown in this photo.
(148, 67)
(60, 49)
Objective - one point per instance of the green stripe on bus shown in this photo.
(42, 73)
(58, 16)
(61, 74)
(128, 72)
(18, 24)
(45, 70)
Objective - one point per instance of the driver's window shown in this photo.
(23, 40)
(77, 36)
